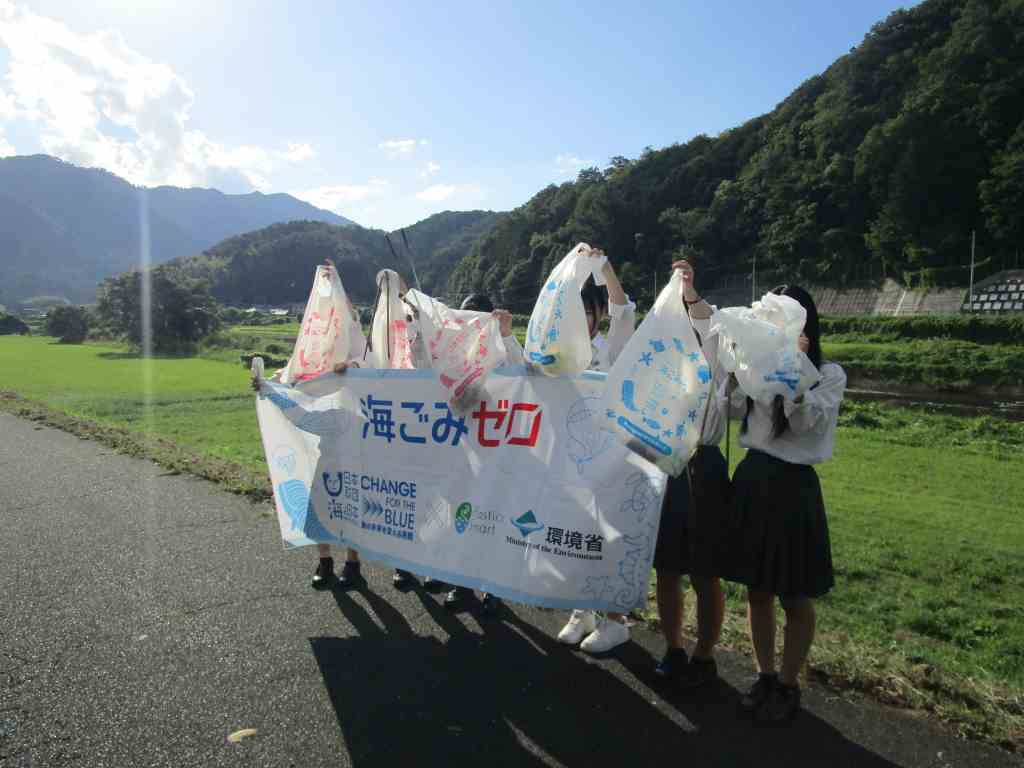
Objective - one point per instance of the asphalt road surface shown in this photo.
(144, 617)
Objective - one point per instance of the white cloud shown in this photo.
(436, 193)
(396, 147)
(100, 103)
(570, 165)
(429, 169)
(7, 109)
(6, 148)
(299, 152)
(337, 197)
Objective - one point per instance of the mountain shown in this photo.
(275, 265)
(880, 166)
(64, 228)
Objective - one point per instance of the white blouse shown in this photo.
(714, 425)
(811, 435)
(621, 324)
(514, 354)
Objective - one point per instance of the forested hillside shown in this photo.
(880, 166)
(275, 265)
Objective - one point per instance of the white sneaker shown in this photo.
(609, 634)
(580, 624)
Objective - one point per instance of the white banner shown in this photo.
(524, 496)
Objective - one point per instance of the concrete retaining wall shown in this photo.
(889, 299)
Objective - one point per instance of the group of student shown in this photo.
(765, 528)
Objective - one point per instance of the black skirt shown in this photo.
(779, 540)
(691, 536)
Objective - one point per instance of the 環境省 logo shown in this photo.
(527, 524)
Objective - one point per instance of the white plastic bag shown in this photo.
(464, 346)
(759, 344)
(325, 337)
(558, 339)
(390, 333)
(656, 393)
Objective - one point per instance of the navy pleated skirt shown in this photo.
(691, 536)
(778, 537)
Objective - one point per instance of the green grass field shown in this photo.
(941, 364)
(284, 330)
(924, 509)
(202, 404)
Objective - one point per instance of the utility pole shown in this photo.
(753, 281)
(970, 289)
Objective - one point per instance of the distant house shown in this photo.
(1003, 292)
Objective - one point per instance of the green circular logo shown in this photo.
(462, 515)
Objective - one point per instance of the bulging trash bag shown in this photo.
(759, 344)
(557, 339)
(326, 335)
(390, 332)
(464, 346)
(657, 391)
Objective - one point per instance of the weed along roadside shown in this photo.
(924, 517)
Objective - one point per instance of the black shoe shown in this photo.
(698, 672)
(455, 597)
(490, 605)
(781, 705)
(759, 692)
(401, 579)
(434, 585)
(674, 663)
(351, 575)
(324, 576)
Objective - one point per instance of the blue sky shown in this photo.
(388, 112)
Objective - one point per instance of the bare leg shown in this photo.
(325, 550)
(799, 635)
(670, 607)
(710, 614)
(761, 615)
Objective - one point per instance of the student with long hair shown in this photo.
(602, 634)
(692, 516)
(782, 546)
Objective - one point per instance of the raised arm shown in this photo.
(621, 311)
(817, 409)
(513, 349)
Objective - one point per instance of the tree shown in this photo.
(70, 324)
(1003, 193)
(181, 310)
(10, 325)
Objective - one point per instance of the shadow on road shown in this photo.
(514, 696)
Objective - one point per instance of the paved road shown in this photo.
(146, 616)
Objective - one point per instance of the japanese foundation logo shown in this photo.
(527, 524)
